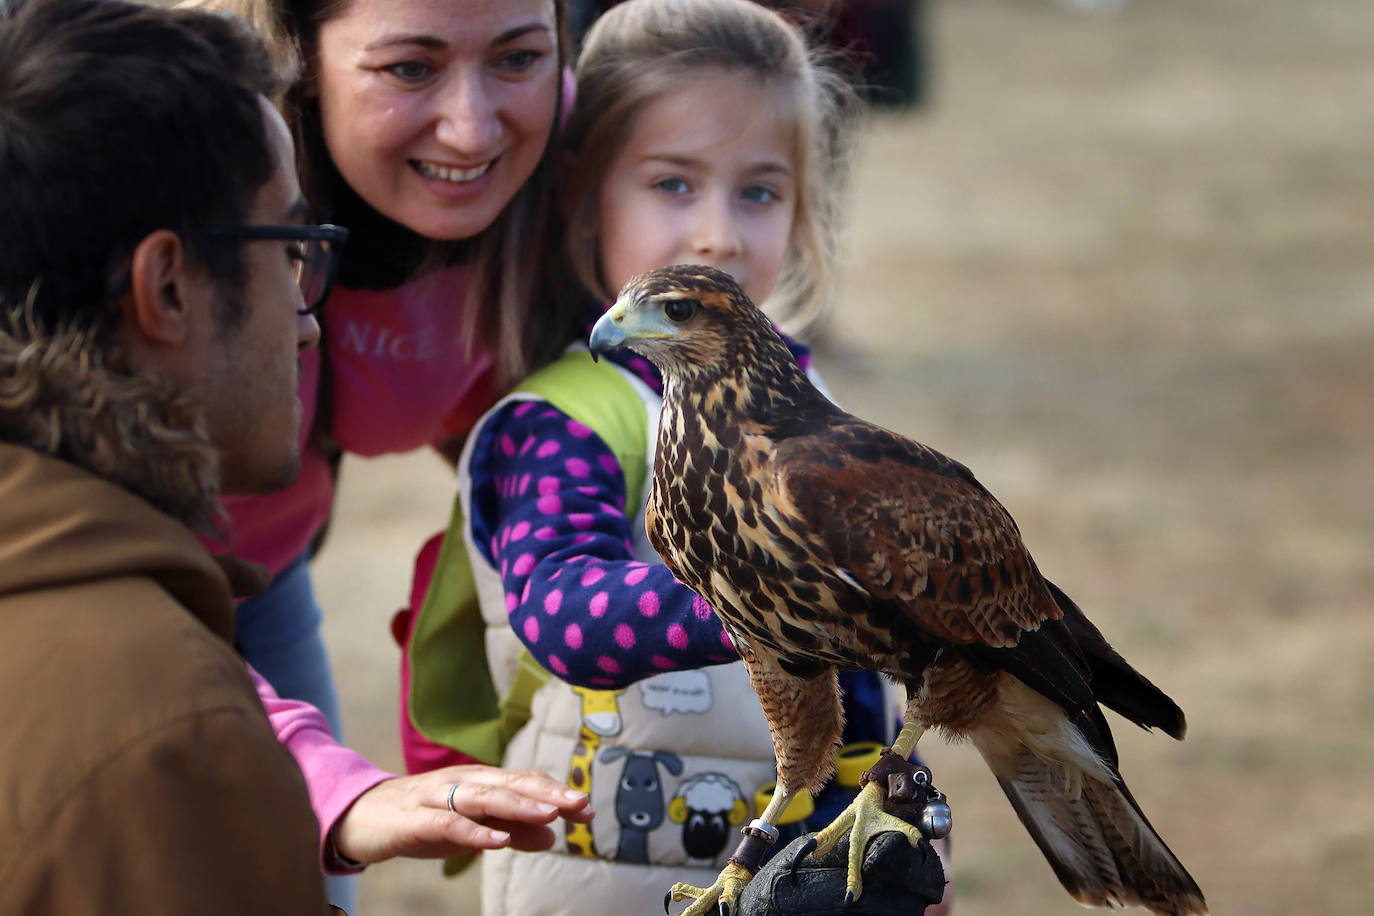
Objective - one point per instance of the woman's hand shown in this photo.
(491, 808)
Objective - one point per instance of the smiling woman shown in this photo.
(426, 127)
(436, 115)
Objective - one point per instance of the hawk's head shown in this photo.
(692, 322)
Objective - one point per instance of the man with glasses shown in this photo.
(156, 281)
(157, 285)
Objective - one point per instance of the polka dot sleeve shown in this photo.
(548, 506)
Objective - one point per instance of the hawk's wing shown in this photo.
(913, 527)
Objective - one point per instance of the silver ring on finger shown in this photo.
(451, 789)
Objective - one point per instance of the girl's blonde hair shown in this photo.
(640, 49)
(506, 299)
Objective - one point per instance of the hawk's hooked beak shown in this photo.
(607, 333)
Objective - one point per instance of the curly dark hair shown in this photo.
(117, 119)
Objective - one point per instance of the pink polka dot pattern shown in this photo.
(547, 502)
(648, 604)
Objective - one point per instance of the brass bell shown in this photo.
(936, 819)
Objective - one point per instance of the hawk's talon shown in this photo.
(848, 898)
(864, 819)
(807, 848)
(667, 898)
(724, 908)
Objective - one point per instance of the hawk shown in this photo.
(825, 542)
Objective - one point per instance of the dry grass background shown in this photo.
(1123, 267)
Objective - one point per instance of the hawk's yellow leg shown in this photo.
(724, 893)
(865, 819)
(723, 896)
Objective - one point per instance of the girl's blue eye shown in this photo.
(672, 185)
(412, 71)
(759, 194)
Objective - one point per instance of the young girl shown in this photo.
(704, 132)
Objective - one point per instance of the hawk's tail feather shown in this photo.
(1115, 683)
(1094, 835)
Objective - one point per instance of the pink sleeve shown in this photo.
(334, 775)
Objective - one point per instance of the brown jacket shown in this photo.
(138, 773)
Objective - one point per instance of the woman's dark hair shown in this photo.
(95, 95)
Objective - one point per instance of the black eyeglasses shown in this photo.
(315, 259)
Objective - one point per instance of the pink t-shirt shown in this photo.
(401, 380)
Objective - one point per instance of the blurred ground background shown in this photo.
(1122, 266)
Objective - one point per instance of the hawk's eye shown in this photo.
(680, 310)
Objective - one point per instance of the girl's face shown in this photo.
(707, 176)
(437, 111)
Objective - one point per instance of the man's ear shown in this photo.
(163, 291)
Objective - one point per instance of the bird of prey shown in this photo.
(825, 542)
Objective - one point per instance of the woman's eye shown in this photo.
(521, 60)
(296, 252)
(679, 310)
(411, 71)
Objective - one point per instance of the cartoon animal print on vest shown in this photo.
(639, 805)
(707, 805)
(600, 719)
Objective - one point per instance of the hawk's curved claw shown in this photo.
(807, 848)
(861, 821)
(667, 898)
